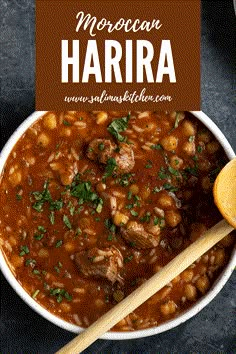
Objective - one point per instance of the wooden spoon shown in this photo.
(225, 198)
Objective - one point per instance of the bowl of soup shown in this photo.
(95, 203)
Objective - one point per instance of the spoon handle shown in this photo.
(147, 289)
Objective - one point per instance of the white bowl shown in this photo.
(193, 310)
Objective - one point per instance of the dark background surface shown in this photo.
(213, 330)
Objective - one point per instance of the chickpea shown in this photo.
(134, 189)
(66, 132)
(12, 241)
(203, 284)
(69, 246)
(172, 217)
(212, 147)
(219, 257)
(100, 187)
(17, 261)
(43, 140)
(66, 178)
(15, 178)
(204, 136)
(190, 292)
(187, 275)
(168, 308)
(188, 128)
(176, 162)
(169, 143)
(101, 117)
(65, 307)
(165, 200)
(50, 121)
(120, 219)
(189, 148)
(145, 193)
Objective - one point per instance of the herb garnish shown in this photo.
(24, 250)
(118, 126)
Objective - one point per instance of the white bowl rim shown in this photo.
(184, 316)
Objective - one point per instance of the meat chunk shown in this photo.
(138, 237)
(124, 158)
(101, 263)
(104, 149)
(101, 150)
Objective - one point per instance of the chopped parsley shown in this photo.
(110, 226)
(52, 217)
(146, 217)
(149, 164)
(191, 138)
(101, 146)
(110, 167)
(18, 197)
(156, 147)
(133, 212)
(30, 262)
(59, 243)
(67, 221)
(128, 259)
(173, 171)
(65, 122)
(42, 197)
(60, 294)
(199, 148)
(177, 119)
(24, 250)
(117, 126)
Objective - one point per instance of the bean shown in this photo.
(165, 200)
(189, 148)
(134, 188)
(15, 178)
(65, 307)
(69, 246)
(17, 261)
(120, 219)
(188, 128)
(190, 292)
(50, 121)
(187, 275)
(100, 187)
(204, 136)
(219, 257)
(203, 284)
(212, 147)
(176, 162)
(101, 117)
(43, 139)
(169, 143)
(172, 217)
(66, 132)
(168, 308)
(206, 183)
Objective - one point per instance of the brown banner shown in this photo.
(117, 55)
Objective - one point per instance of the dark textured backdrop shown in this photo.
(213, 330)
